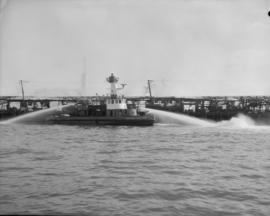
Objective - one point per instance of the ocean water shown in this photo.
(180, 166)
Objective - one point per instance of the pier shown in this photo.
(11, 106)
(215, 108)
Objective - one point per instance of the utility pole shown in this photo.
(21, 83)
(84, 78)
(149, 88)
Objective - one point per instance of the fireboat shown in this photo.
(106, 110)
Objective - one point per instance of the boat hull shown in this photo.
(132, 121)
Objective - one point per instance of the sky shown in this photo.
(187, 47)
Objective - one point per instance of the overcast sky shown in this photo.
(187, 47)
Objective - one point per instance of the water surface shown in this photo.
(167, 169)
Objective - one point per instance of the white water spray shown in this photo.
(241, 121)
(177, 118)
(38, 116)
(164, 117)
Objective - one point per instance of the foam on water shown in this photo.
(242, 121)
(37, 116)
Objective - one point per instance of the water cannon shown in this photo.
(123, 85)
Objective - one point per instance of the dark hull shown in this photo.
(132, 121)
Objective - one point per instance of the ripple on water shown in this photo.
(160, 170)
